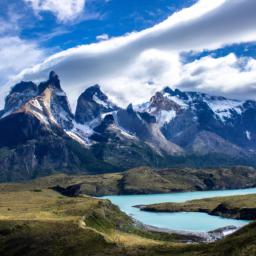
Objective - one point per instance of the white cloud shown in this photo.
(131, 67)
(65, 10)
(15, 55)
(10, 25)
(5, 26)
(102, 37)
(229, 76)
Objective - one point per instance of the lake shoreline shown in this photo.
(177, 222)
(191, 236)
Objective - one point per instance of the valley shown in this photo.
(176, 215)
(54, 162)
(127, 128)
(43, 222)
(135, 186)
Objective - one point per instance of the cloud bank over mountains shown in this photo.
(132, 67)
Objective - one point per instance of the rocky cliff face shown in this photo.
(19, 94)
(55, 102)
(39, 133)
(47, 102)
(203, 124)
(145, 127)
(92, 105)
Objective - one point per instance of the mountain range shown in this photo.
(40, 135)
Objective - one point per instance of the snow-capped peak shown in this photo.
(222, 107)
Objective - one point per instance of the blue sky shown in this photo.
(112, 17)
(211, 36)
(99, 17)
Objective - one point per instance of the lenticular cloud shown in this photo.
(131, 67)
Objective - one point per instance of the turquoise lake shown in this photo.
(195, 222)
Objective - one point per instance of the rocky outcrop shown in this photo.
(121, 149)
(46, 155)
(19, 94)
(92, 105)
(244, 213)
(144, 126)
(71, 191)
(54, 100)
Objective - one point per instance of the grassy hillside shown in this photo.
(146, 180)
(238, 207)
(43, 222)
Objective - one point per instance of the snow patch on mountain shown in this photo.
(126, 134)
(7, 114)
(108, 113)
(41, 117)
(182, 103)
(100, 102)
(165, 117)
(35, 103)
(224, 108)
(81, 133)
(141, 107)
(83, 128)
(248, 135)
(103, 101)
(75, 137)
(60, 93)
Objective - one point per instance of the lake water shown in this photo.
(196, 222)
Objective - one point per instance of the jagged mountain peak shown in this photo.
(130, 108)
(52, 82)
(56, 102)
(19, 94)
(195, 96)
(51, 106)
(249, 104)
(94, 94)
(163, 102)
(222, 108)
(94, 91)
(53, 76)
(93, 105)
(24, 87)
(175, 92)
(172, 123)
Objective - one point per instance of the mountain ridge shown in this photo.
(173, 128)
